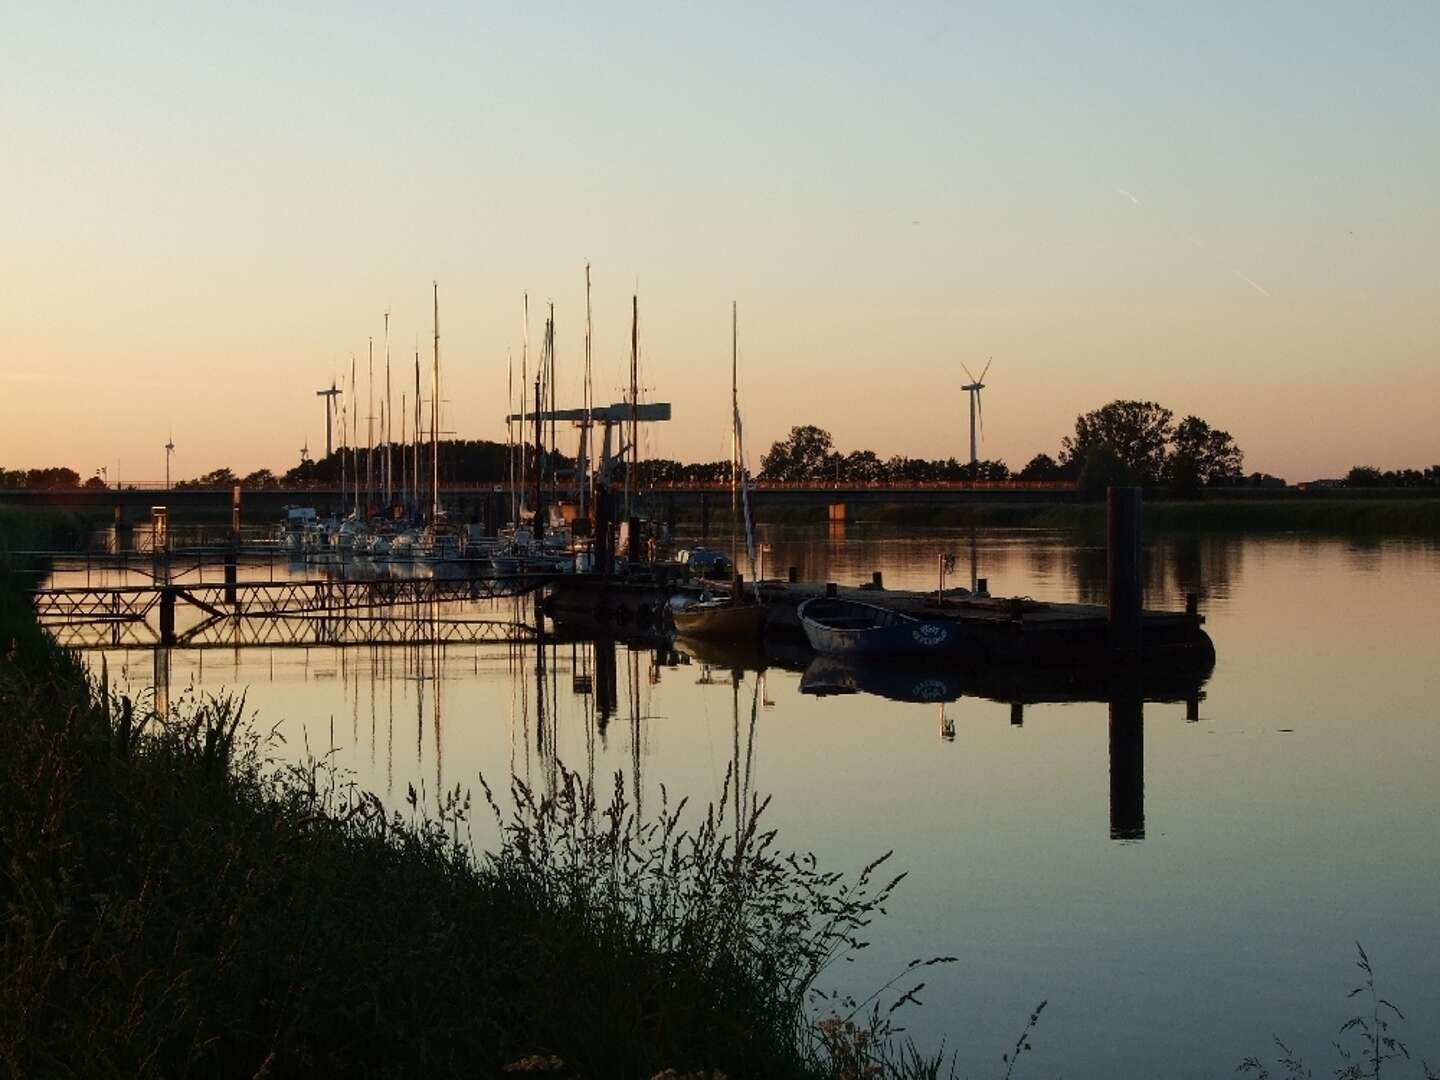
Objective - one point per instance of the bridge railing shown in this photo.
(475, 486)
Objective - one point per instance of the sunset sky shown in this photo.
(1229, 209)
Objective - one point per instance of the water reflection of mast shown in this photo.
(636, 733)
(390, 739)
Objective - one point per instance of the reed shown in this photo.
(178, 903)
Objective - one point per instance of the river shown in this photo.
(1178, 890)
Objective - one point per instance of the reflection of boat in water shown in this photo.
(898, 682)
(721, 618)
(852, 628)
(1023, 684)
(733, 654)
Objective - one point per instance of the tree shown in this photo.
(1044, 467)
(803, 455)
(981, 470)
(1364, 476)
(1103, 469)
(862, 467)
(221, 477)
(1208, 454)
(1138, 434)
(94, 484)
(54, 477)
(260, 478)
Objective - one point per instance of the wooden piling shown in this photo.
(792, 575)
(167, 614)
(1125, 593)
(1127, 765)
(877, 579)
(232, 560)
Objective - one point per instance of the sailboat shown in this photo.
(734, 616)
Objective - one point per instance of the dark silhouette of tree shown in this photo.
(1044, 467)
(862, 467)
(1202, 454)
(260, 478)
(1103, 468)
(1138, 435)
(803, 455)
(221, 477)
(52, 478)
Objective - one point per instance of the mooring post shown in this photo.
(877, 579)
(737, 587)
(792, 575)
(167, 615)
(704, 515)
(232, 561)
(634, 549)
(1127, 762)
(1017, 714)
(1125, 592)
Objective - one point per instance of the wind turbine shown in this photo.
(973, 388)
(169, 453)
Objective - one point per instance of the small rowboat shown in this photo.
(840, 627)
(720, 618)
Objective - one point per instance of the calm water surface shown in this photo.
(1256, 843)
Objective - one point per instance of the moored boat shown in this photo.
(720, 618)
(840, 627)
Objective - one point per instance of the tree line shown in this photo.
(1124, 442)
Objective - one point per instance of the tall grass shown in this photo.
(1367, 1046)
(178, 904)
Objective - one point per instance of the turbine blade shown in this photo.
(980, 412)
(967, 372)
(987, 370)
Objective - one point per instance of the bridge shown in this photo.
(492, 501)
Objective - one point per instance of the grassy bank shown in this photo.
(1412, 516)
(177, 905)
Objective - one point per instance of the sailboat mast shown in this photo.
(634, 406)
(389, 415)
(435, 412)
(354, 436)
(550, 383)
(370, 436)
(510, 430)
(415, 430)
(734, 410)
(585, 431)
(539, 470)
(524, 387)
(404, 475)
